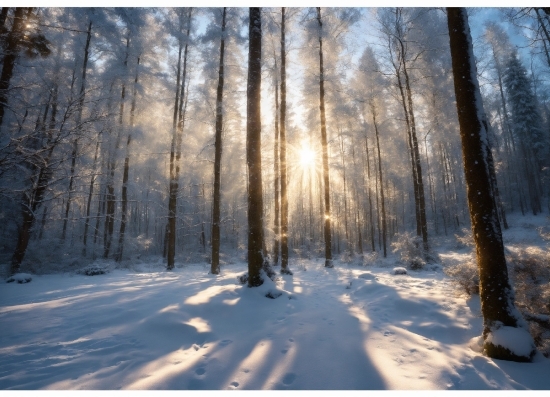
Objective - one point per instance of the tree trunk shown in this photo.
(10, 55)
(369, 193)
(90, 195)
(327, 231)
(284, 193)
(496, 295)
(215, 265)
(175, 153)
(277, 215)
(74, 153)
(253, 149)
(126, 171)
(418, 166)
(382, 202)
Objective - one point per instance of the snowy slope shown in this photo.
(351, 327)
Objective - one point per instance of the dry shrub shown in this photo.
(465, 240)
(465, 275)
(410, 250)
(529, 272)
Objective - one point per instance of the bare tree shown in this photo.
(327, 231)
(284, 194)
(497, 297)
(253, 150)
(215, 265)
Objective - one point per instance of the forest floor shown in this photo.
(357, 326)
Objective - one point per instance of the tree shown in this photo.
(497, 297)
(397, 28)
(324, 144)
(215, 265)
(175, 149)
(282, 124)
(19, 37)
(526, 125)
(253, 149)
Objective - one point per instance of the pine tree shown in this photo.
(526, 119)
(527, 128)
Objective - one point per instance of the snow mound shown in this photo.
(368, 276)
(21, 278)
(476, 344)
(268, 289)
(517, 340)
(399, 270)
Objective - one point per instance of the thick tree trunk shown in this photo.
(10, 55)
(284, 193)
(215, 265)
(496, 295)
(324, 144)
(253, 150)
(3, 16)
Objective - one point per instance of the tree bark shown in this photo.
(496, 295)
(324, 144)
(215, 265)
(11, 49)
(253, 150)
(284, 193)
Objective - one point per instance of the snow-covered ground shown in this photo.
(351, 327)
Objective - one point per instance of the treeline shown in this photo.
(123, 131)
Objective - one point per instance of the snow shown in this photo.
(517, 340)
(351, 327)
(356, 326)
(20, 278)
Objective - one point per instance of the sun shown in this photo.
(307, 156)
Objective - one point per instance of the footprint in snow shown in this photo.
(289, 378)
(225, 342)
(284, 351)
(234, 384)
(200, 371)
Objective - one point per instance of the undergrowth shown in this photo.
(529, 273)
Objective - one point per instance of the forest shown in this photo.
(200, 143)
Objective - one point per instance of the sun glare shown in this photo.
(307, 156)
